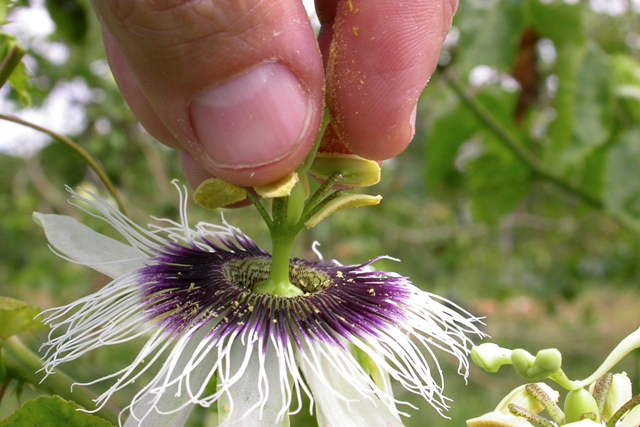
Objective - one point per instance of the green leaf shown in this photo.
(17, 317)
(626, 77)
(10, 56)
(70, 18)
(563, 24)
(447, 133)
(490, 33)
(622, 177)
(497, 181)
(594, 106)
(53, 411)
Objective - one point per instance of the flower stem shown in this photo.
(25, 365)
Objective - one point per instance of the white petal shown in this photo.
(357, 410)
(632, 419)
(167, 401)
(155, 419)
(499, 419)
(255, 399)
(87, 247)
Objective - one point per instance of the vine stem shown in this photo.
(515, 145)
(25, 365)
(512, 142)
(90, 161)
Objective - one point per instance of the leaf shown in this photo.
(622, 176)
(17, 317)
(594, 106)
(19, 79)
(70, 18)
(563, 24)
(448, 131)
(53, 411)
(626, 77)
(497, 181)
(490, 33)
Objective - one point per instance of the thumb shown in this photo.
(237, 84)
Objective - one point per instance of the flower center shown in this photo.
(246, 273)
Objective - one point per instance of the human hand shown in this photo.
(237, 85)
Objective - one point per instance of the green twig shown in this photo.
(93, 164)
(24, 365)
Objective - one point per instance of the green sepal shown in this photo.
(280, 188)
(215, 193)
(340, 202)
(355, 170)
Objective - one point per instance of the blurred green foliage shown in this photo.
(469, 219)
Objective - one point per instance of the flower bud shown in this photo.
(549, 359)
(490, 357)
(620, 393)
(579, 402)
(546, 363)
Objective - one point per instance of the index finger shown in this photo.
(379, 55)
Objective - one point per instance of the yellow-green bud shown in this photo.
(490, 356)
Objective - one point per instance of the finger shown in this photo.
(237, 83)
(379, 56)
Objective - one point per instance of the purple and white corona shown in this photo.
(190, 293)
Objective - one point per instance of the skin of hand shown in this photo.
(238, 86)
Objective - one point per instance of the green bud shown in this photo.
(355, 170)
(342, 202)
(549, 359)
(490, 356)
(522, 360)
(538, 368)
(579, 402)
(620, 393)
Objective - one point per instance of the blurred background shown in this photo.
(519, 198)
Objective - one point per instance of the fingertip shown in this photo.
(381, 56)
